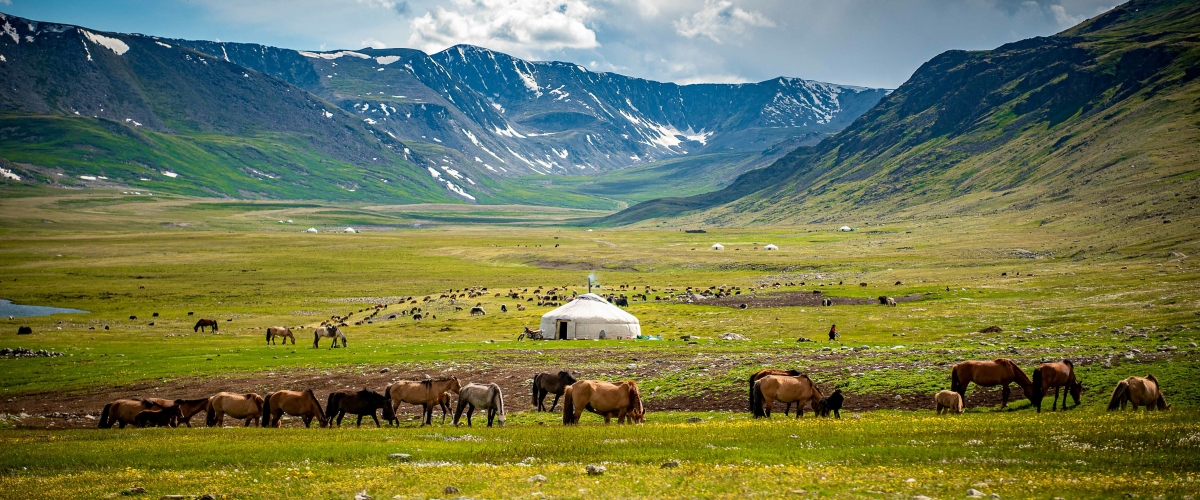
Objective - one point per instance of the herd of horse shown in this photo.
(621, 400)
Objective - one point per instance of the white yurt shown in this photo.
(589, 316)
(845, 229)
(311, 230)
(771, 247)
(718, 246)
(349, 230)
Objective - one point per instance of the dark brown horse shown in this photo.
(1000, 371)
(361, 403)
(295, 403)
(765, 372)
(123, 412)
(1056, 375)
(548, 383)
(203, 323)
(188, 408)
(164, 417)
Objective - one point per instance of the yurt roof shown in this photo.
(591, 308)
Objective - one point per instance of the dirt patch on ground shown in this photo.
(793, 299)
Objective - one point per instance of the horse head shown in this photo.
(566, 378)
(455, 385)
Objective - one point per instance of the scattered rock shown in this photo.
(921, 497)
(671, 464)
(450, 490)
(974, 493)
(385, 370)
(362, 495)
(403, 457)
(595, 470)
(537, 478)
(991, 329)
(732, 336)
(134, 490)
(994, 495)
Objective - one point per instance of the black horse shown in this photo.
(547, 383)
(361, 403)
(831, 403)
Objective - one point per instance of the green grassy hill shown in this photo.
(1097, 124)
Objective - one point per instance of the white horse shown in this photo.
(485, 397)
(331, 331)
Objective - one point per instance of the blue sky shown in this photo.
(875, 43)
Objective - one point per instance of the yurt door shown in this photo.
(562, 329)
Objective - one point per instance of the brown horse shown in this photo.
(245, 407)
(797, 389)
(1141, 391)
(426, 393)
(161, 417)
(361, 403)
(203, 323)
(123, 412)
(1057, 374)
(763, 373)
(295, 403)
(1000, 371)
(188, 408)
(547, 383)
(281, 332)
(603, 398)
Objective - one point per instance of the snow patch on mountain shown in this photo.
(117, 46)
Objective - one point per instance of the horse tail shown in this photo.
(210, 416)
(266, 410)
(1037, 384)
(569, 406)
(955, 385)
(268, 335)
(105, 422)
(751, 397)
(334, 402)
(533, 400)
(1118, 395)
(756, 399)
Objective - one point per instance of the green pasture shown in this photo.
(1118, 310)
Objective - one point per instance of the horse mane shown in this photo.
(1069, 363)
(1021, 377)
(190, 401)
(1151, 378)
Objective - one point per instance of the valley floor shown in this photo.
(1055, 292)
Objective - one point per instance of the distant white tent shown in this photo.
(845, 229)
(770, 247)
(311, 230)
(349, 230)
(718, 246)
(589, 316)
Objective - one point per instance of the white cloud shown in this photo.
(373, 43)
(720, 18)
(1063, 19)
(519, 27)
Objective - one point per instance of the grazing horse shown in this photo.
(361, 403)
(1000, 371)
(331, 331)
(831, 403)
(891, 302)
(547, 383)
(1140, 391)
(796, 389)
(1058, 374)
(165, 417)
(763, 373)
(485, 397)
(282, 332)
(240, 406)
(124, 412)
(301, 404)
(948, 401)
(426, 393)
(477, 311)
(203, 323)
(603, 398)
(188, 408)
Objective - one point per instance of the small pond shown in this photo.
(7, 308)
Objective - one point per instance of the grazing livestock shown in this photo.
(201, 324)
(24, 330)
(426, 393)
(330, 331)
(891, 302)
(361, 403)
(785, 389)
(245, 407)
(549, 383)
(831, 404)
(164, 417)
(477, 311)
(763, 373)
(301, 404)
(485, 397)
(948, 401)
(123, 412)
(503, 308)
(603, 398)
(1056, 375)
(281, 332)
(1000, 371)
(188, 408)
(1140, 391)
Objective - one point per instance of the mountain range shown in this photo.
(1098, 125)
(91, 108)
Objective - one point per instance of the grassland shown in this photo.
(1118, 310)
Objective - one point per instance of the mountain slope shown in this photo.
(1101, 118)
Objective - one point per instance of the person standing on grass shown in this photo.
(833, 333)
